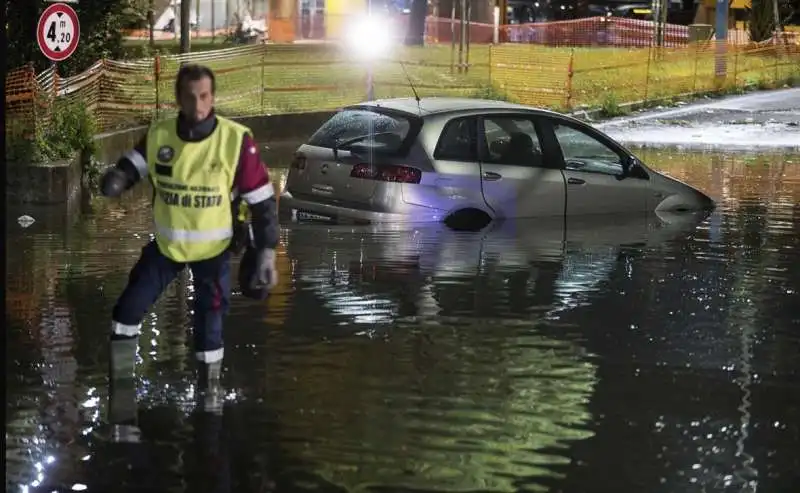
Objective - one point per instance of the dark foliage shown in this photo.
(102, 24)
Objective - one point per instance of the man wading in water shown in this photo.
(201, 166)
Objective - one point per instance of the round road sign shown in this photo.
(58, 32)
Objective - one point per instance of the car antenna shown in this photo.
(413, 89)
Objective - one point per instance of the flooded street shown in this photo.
(613, 354)
(758, 120)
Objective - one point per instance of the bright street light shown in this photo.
(370, 37)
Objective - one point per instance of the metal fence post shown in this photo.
(157, 79)
(34, 101)
(103, 87)
(570, 73)
(696, 57)
(647, 73)
(491, 66)
(53, 96)
(263, 69)
(777, 60)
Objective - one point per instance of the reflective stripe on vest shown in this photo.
(190, 236)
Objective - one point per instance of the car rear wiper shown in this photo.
(340, 144)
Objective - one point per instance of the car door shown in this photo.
(595, 171)
(518, 179)
(458, 181)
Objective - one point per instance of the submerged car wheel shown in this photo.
(468, 220)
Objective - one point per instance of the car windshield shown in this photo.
(380, 132)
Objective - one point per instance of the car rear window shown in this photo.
(382, 132)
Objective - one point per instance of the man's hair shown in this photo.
(194, 72)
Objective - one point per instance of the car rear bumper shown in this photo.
(291, 206)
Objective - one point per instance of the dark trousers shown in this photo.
(149, 278)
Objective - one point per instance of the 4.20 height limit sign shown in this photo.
(58, 32)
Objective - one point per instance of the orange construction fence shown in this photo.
(590, 31)
(271, 78)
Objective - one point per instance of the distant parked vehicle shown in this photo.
(634, 11)
(452, 159)
(169, 27)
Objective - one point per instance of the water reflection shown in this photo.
(627, 353)
(550, 265)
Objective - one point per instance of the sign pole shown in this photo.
(54, 66)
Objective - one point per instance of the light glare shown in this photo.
(370, 37)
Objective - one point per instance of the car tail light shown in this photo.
(299, 162)
(393, 173)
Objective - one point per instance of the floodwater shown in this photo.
(616, 355)
(768, 119)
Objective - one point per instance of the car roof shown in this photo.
(439, 105)
(632, 6)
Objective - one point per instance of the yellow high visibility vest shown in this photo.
(193, 181)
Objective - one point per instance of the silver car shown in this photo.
(454, 159)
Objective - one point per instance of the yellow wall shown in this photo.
(736, 4)
(337, 12)
(707, 11)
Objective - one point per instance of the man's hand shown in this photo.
(114, 182)
(266, 274)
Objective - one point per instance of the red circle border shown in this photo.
(53, 55)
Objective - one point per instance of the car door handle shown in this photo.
(575, 181)
(489, 176)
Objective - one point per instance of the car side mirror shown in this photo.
(635, 169)
(629, 168)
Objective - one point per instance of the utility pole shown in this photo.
(452, 35)
(721, 31)
(777, 20)
(462, 37)
(197, 19)
(186, 31)
(660, 8)
(151, 20)
(468, 31)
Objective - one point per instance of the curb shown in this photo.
(595, 115)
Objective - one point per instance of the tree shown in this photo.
(761, 22)
(102, 24)
(137, 13)
(186, 32)
(415, 35)
(789, 12)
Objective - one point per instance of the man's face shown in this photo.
(196, 99)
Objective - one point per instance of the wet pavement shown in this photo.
(769, 119)
(614, 354)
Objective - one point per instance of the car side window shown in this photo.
(582, 152)
(457, 142)
(511, 140)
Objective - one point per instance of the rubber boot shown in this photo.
(211, 395)
(123, 358)
(209, 372)
(122, 411)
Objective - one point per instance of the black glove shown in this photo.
(114, 182)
